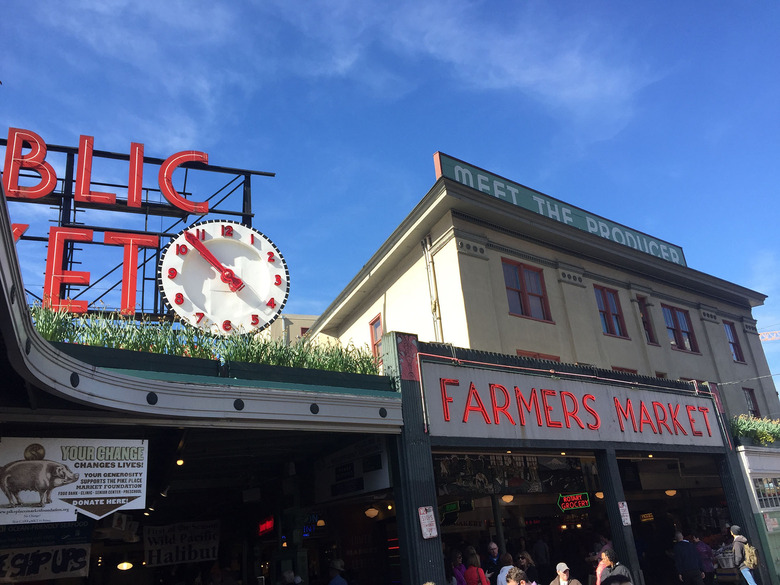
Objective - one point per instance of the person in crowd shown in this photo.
(541, 553)
(564, 578)
(505, 562)
(491, 565)
(614, 571)
(458, 568)
(474, 574)
(687, 561)
(515, 576)
(336, 572)
(707, 556)
(526, 562)
(739, 554)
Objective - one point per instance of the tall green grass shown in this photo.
(114, 330)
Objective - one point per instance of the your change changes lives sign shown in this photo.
(50, 480)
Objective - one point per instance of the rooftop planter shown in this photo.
(749, 430)
(91, 337)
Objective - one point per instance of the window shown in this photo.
(752, 405)
(731, 335)
(612, 322)
(539, 356)
(626, 370)
(525, 291)
(647, 323)
(376, 336)
(678, 326)
(304, 330)
(767, 491)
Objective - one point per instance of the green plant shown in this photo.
(112, 329)
(763, 431)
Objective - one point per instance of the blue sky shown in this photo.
(659, 115)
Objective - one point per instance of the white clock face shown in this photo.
(224, 277)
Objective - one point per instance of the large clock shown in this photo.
(224, 277)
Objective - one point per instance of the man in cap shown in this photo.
(739, 554)
(336, 571)
(563, 577)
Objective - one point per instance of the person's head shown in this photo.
(456, 557)
(492, 549)
(563, 571)
(678, 536)
(515, 576)
(693, 537)
(735, 530)
(288, 576)
(505, 560)
(524, 560)
(472, 560)
(336, 567)
(609, 557)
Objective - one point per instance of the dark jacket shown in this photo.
(739, 551)
(617, 570)
(686, 557)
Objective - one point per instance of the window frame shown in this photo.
(752, 403)
(733, 340)
(523, 294)
(613, 323)
(647, 321)
(376, 340)
(676, 333)
(538, 356)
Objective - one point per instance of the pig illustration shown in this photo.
(40, 476)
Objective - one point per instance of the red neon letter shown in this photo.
(532, 404)
(445, 400)
(478, 407)
(136, 179)
(56, 276)
(17, 229)
(691, 409)
(496, 408)
(624, 414)
(645, 418)
(661, 420)
(674, 411)
(596, 424)
(705, 411)
(131, 242)
(166, 181)
(34, 160)
(84, 176)
(567, 414)
(553, 424)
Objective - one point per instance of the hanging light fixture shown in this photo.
(372, 512)
(320, 522)
(508, 498)
(599, 495)
(671, 493)
(124, 564)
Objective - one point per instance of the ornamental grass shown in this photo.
(114, 330)
(762, 431)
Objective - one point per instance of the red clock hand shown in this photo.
(227, 275)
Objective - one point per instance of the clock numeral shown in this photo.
(200, 233)
(271, 303)
(271, 257)
(178, 299)
(255, 320)
(172, 273)
(199, 317)
(227, 325)
(278, 280)
(252, 239)
(181, 249)
(227, 231)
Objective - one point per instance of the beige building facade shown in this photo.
(469, 269)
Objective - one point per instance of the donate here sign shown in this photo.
(552, 208)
